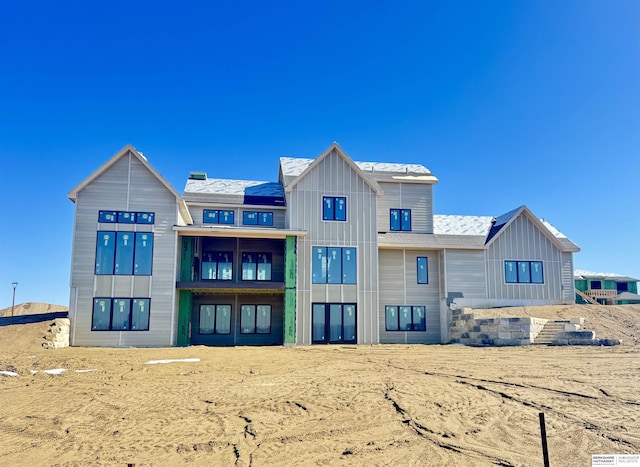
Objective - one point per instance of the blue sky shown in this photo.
(508, 102)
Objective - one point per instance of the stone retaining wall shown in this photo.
(470, 329)
(58, 335)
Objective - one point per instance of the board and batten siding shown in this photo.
(125, 186)
(399, 286)
(523, 240)
(414, 196)
(465, 273)
(333, 176)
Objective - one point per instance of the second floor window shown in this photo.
(334, 208)
(334, 265)
(256, 266)
(218, 216)
(400, 220)
(124, 253)
(422, 269)
(257, 218)
(217, 265)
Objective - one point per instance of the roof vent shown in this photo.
(197, 176)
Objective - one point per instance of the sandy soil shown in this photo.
(32, 308)
(330, 405)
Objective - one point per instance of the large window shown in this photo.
(422, 263)
(405, 318)
(256, 266)
(334, 265)
(218, 216)
(255, 319)
(523, 272)
(334, 323)
(215, 319)
(400, 219)
(120, 314)
(217, 265)
(334, 208)
(124, 253)
(257, 218)
(126, 217)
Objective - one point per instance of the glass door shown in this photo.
(334, 323)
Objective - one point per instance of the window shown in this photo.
(334, 208)
(333, 265)
(215, 319)
(596, 285)
(257, 218)
(523, 272)
(218, 216)
(217, 265)
(255, 319)
(622, 287)
(400, 219)
(124, 253)
(126, 217)
(405, 318)
(256, 266)
(333, 323)
(423, 270)
(120, 314)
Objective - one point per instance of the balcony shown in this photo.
(601, 293)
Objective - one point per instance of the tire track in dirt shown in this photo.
(432, 436)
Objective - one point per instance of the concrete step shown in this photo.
(549, 333)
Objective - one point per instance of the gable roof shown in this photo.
(315, 162)
(129, 149)
(553, 234)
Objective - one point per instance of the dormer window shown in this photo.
(400, 220)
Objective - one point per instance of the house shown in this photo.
(334, 251)
(605, 288)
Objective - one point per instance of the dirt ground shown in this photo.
(323, 405)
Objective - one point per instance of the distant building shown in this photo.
(334, 251)
(605, 288)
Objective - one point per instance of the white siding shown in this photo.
(126, 186)
(399, 286)
(333, 176)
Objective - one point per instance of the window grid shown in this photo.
(405, 317)
(334, 208)
(400, 220)
(256, 266)
(257, 218)
(255, 319)
(217, 265)
(214, 319)
(523, 272)
(126, 217)
(218, 216)
(334, 265)
(124, 253)
(120, 314)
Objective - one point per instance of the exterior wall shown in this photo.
(399, 286)
(333, 176)
(465, 274)
(130, 186)
(522, 240)
(278, 214)
(414, 196)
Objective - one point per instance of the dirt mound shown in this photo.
(32, 308)
(428, 405)
(608, 321)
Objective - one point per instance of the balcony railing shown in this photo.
(601, 293)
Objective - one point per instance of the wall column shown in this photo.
(290, 290)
